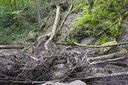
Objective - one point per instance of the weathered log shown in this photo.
(99, 46)
(110, 56)
(11, 46)
(54, 29)
(102, 76)
(62, 23)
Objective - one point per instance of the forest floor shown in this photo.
(62, 63)
(65, 63)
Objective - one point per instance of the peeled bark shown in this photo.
(54, 29)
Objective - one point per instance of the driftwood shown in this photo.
(108, 58)
(62, 23)
(48, 64)
(109, 75)
(55, 25)
(23, 82)
(85, 78)
(54, 29)
(11, 46)
(99, 46)
(103, 76)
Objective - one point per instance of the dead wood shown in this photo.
(11, 46)
(103, 76)
(109, 56)
(54, 29)
(108, 60)
(99, 46)
(23, 82)
(62, 23)
(85, 78)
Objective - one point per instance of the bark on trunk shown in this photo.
(37, 11)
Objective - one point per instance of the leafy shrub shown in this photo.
(13, 28)
(105, 19)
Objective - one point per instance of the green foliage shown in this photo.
(78, 5)
(16, 25)
(13, 28)
(103, 40)
(104, 19)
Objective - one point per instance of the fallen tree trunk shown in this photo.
(109, 58)
(99, 46)
(103, 76)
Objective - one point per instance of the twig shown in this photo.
(62, 23)
(107, 27)
(29, 46)
(32, 57)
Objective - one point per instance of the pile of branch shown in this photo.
(25, 67)
(55, 28)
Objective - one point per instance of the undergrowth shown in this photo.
(102, 22)
(14, 28)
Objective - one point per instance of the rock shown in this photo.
(60, 70)
(59, 66)
(76, 82)
(69, 23)
(87, 40)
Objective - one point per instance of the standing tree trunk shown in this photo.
(16, 5)
(11, 9)
(23, 3)
(37, 12)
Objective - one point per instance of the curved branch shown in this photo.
(54, 29)
(99, 46)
